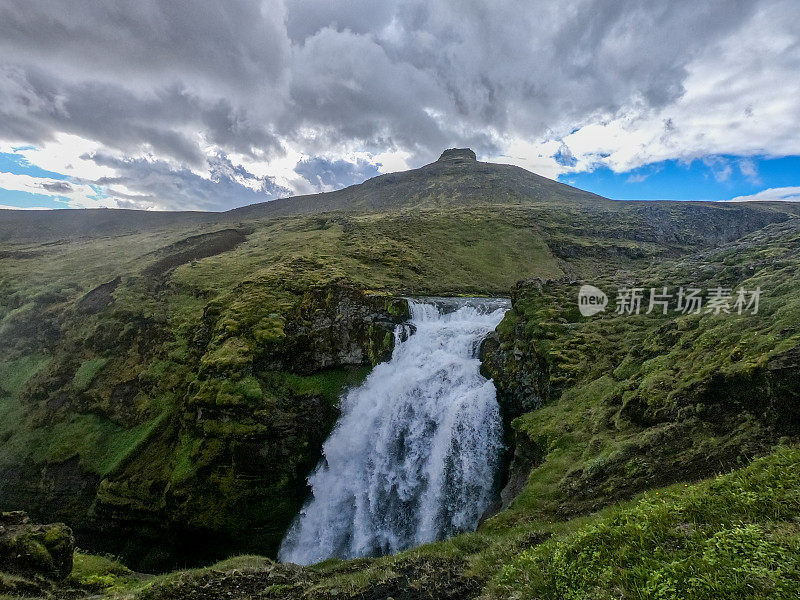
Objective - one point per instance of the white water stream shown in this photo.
(413, 456)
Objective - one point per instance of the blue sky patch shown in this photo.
(31, 200)
(19, 165)
(709, 178)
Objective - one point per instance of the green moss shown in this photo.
(230, 355)
(237, 391)
(86, 373)
(329, 383)
(101, 573)
(727, 538)
(631, 401)
(185, 457)
(14, 374)
(12, 416)
(101, 444)
(398, 308)
(270, 330)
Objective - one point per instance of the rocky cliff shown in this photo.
(220, 469)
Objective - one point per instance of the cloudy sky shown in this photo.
(172, 104)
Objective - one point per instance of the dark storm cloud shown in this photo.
(183, 81)
(143, 73)
(304, 18)
(166, 120)
(233, 43)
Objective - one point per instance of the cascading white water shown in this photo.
(413, 456)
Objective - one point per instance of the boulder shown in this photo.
(31, 549)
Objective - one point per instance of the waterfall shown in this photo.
(413, 456)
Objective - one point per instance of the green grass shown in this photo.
(328, 384)
(477, 251)
(102, 574)
(100, 443)
(636, 401)
(16, 373)
(86, 373)
(732, 537)
(184, 455)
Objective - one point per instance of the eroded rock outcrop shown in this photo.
(458, 155)
(338, 325)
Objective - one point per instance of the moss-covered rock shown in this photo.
(337, 325)
(33, 550)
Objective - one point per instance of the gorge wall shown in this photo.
(598, 409)
(220, 467)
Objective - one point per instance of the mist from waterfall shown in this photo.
(413, 456)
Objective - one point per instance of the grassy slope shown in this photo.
(735, 536)
(732, 536)
(641, 400)
(461, 250)
(75, 402)
(146, 333)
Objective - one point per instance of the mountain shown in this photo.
(457, 179)
(167, 379)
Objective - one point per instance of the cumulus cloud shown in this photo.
(156, 184)
(782, 194)
(329, 175)
(80, 195)
(304, 96)
(741, 97)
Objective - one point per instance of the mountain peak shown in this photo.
(458, 155)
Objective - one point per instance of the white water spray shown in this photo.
(413, 456)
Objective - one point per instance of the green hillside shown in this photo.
(166, 383)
